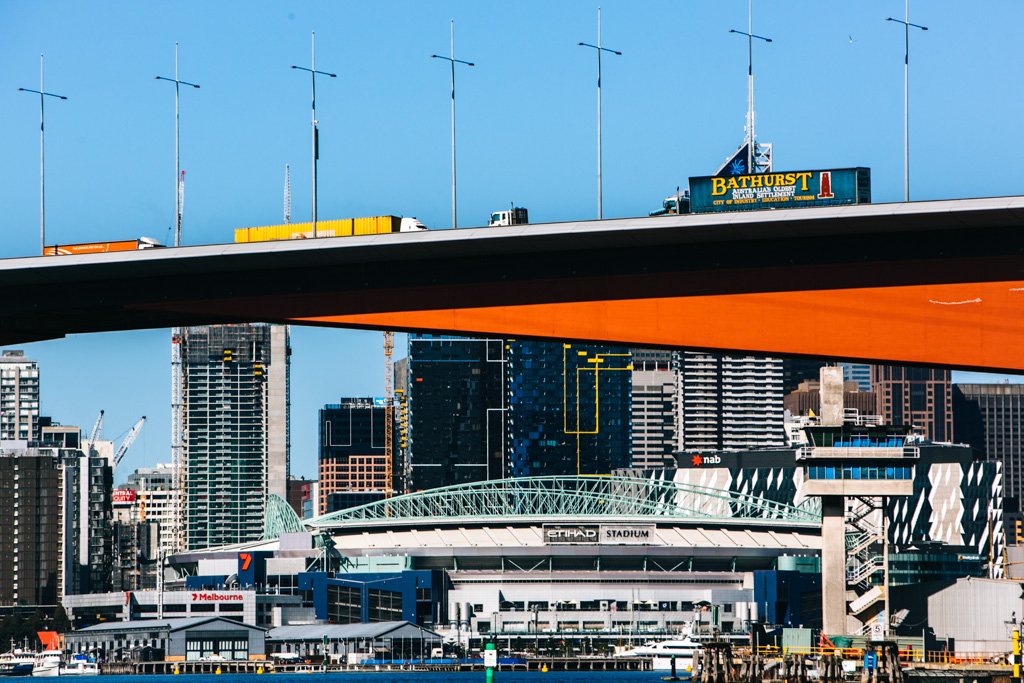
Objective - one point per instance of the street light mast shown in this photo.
(42, 156)
(451, 59)
(178, 189)
(316, 133)
(906, 96)
(597, 48)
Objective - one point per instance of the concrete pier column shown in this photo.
(833, 565)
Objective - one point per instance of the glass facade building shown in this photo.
(990, 417)
(859, 373)
(352, 455)
(455, 410)
(568, 408)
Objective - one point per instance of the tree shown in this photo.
(61, 623)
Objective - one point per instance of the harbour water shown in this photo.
(403, 677)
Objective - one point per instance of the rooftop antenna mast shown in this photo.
(749, 33)
(751, 138)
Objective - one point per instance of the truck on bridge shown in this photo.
(101, 247)
(759, 191)
(343, 227)
(514, 216)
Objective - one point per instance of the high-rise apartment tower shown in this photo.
(235, 397)
(19, 397)
(731, 402)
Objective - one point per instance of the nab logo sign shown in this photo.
(701, 460)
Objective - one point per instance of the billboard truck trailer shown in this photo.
(100, 247)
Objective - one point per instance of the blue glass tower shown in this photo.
(456, 425)
(567, 408)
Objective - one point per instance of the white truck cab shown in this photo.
(513, 216)
(411, 225)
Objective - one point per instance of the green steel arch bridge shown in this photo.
(554, 499)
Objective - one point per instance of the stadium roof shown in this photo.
(573, 499)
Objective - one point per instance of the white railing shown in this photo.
(859, 452)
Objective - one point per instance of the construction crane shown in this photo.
(178, 432)
(389, 411)
(97, 427)
(133, 433)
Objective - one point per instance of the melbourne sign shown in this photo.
(788, 190)
(217, 597)
(599, 534)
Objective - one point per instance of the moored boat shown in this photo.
(80, 665)
(16, 663)
(47, 663)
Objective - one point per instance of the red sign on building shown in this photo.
(124, 496)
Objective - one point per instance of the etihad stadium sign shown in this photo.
(787, 190)
(599, 534)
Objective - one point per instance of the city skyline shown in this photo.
(110, 147)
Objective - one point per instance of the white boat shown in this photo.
(47, 663)
(17, 663)
(80, 666)
(663, 652)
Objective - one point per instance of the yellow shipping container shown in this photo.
(342, 227)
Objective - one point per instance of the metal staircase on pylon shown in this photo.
(864, 557)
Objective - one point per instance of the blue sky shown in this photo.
(829, 95)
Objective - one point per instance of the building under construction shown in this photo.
(235, 429)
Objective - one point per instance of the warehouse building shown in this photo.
(172, 640)
(354, 643)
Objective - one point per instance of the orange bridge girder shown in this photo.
(978, 325)
(937, 283)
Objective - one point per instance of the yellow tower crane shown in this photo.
(389, 411)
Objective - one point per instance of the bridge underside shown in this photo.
(937, 283)
(975, 325)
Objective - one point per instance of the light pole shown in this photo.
(177, 158)
(906, 96)
(451, 59)
(597, 48)
(536, 631)
(316, 135)
(751, 140)
(42, 157)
